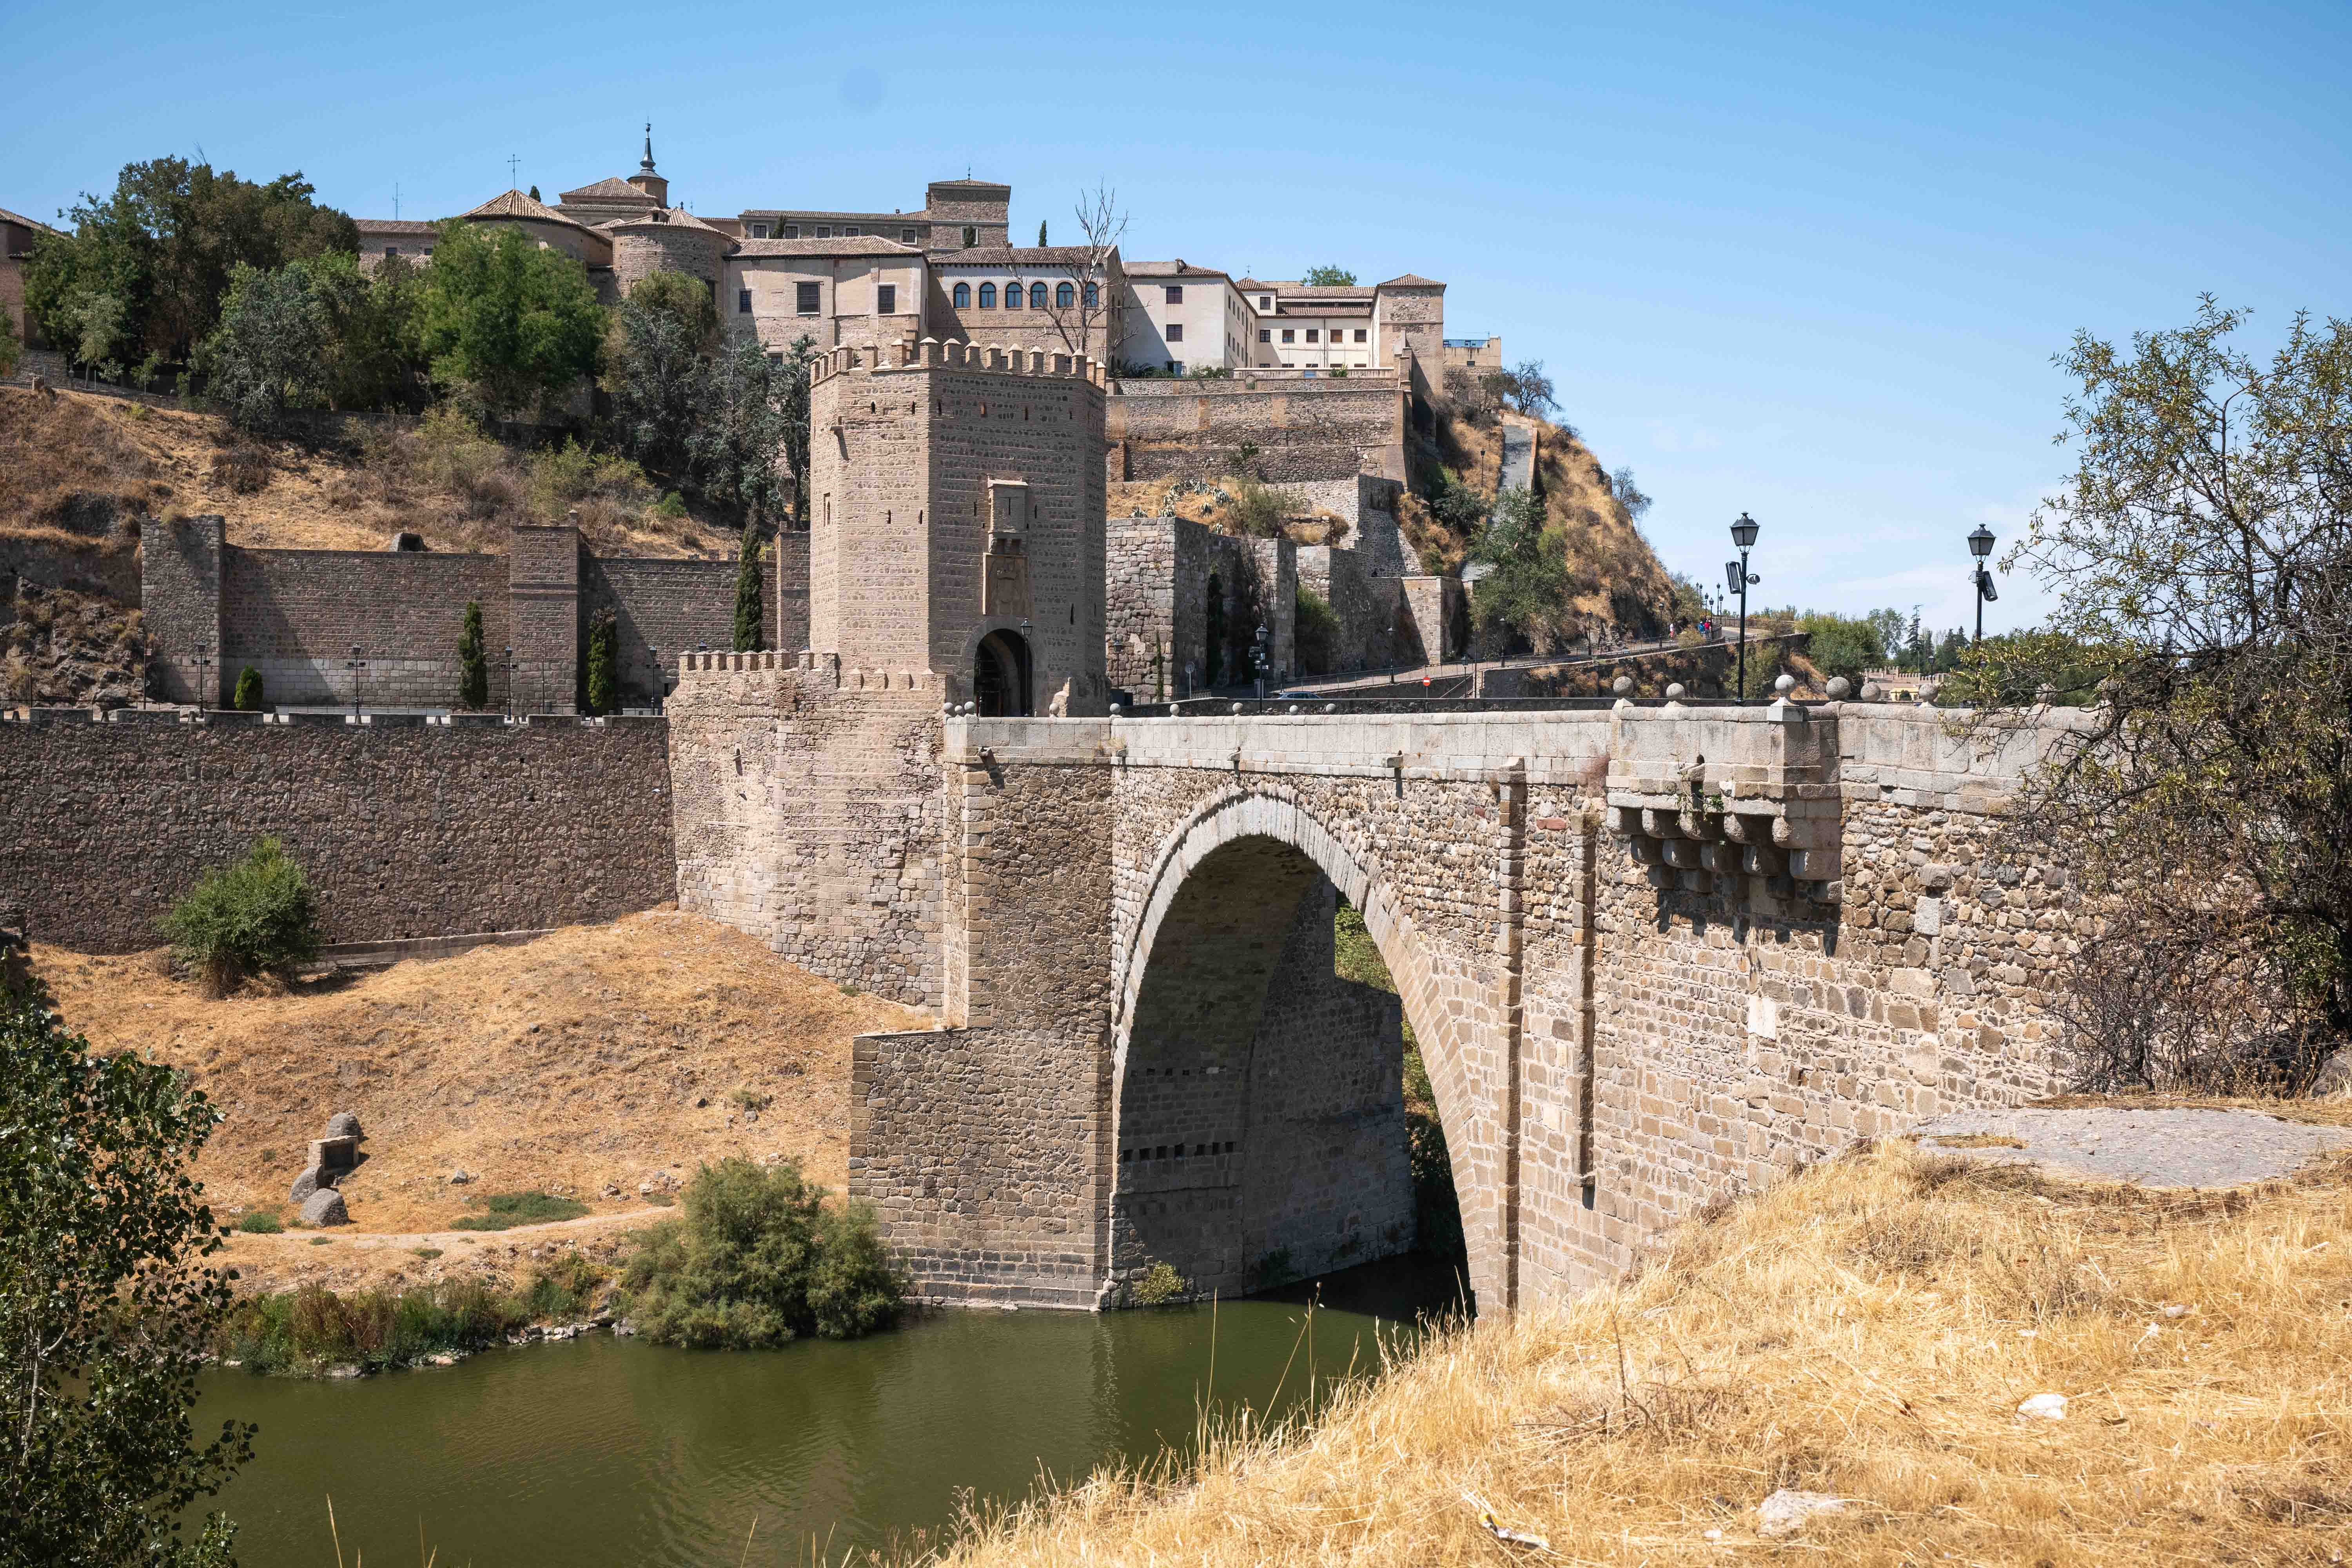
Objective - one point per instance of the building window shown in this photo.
(1065, 295)
(391, 250)
(1310, 334)
(987, 296)
(1265, 301)
(806, 300)
(428, 250)
(963, 296)
(1094, 296)
(743, 301)
(1175, 367)
(906, 236)
(791, 231)
(971, 236)
(1360, 335)
(886, 300)
(1175, 332)
(1175, 293)
(825, 231)
(1265, 335)
(759, 231)
(1037, 295)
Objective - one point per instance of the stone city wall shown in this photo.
(406, 830)
(1159, 571)
(1287, 432)
(808, 813)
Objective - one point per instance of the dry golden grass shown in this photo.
(1157, 498)
(160, 462)
(569, 1064)
(1868, 1331)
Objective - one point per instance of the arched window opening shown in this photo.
(999, 676)
(963, 296)
(1013, 296)
(1094, 296)
(1037, 295)
(987, 296)
(1064, 295)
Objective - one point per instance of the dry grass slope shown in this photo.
(590, 1058)
(1866, 1331)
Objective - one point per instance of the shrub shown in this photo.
(11, 348)
(260, 1222)
(1161, 1283)
(473, 665)
(249, 691)
(254, 915)
(671, 507)
(747, 592)
(758, 1259)
(1258, 509)
(604, 664)
(1317, 632)
(564, 477)
(504, 1211)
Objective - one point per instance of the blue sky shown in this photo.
(1810, 261)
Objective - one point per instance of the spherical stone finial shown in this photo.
(1116, 710)
(1622, 686)
(1871, 691)
(1839, 686)
(1237, 710)
(1785, 684)
(1675, 692)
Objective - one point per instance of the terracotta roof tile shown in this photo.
(839, 245)
(1412, 280)
(613, 189)
(514, 204)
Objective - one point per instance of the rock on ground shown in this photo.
(1785, 1512)
(325, 1206)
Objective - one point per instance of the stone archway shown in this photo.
(1215, 981)
(1000, 679)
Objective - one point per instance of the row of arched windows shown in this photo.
(1064, 295)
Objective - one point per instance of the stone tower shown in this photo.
(956, 519)
(646, 179)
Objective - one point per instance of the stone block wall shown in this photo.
(1288, 431)
(661, 607)
(1159, 571)
(808, 813)
(300, 616)
(181, 574)
(406, 830)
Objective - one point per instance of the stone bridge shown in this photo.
(1650, 956)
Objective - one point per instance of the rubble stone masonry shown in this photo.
(406, 830)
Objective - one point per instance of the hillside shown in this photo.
(1868, 1331)
(78, 472)
(583, 1063)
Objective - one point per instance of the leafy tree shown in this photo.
(1632, 506)
(163, 245)
(1041, 234)
(1328, 276)
(656, 354)
(1946, 654)
(756, 1258)
(1527, 389)
(603, 674)
(12, 347)
(1842, 644)
(271, 352)
(1524, 595)
(747, 592)
(512, 324)
(97, 332)
(741, 427)
(254, 915)
(535, 193)
(473, 662)
(105, 1313)
(247, 697)
(2200, 558)
(792, 395)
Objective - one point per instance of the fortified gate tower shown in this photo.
(957, 521)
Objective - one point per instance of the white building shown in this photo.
(1180, 318)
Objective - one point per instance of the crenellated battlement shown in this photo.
(931, 354)
(694, 665)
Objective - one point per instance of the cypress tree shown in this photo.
(604, 673)
(473, 668)
(747, 592)
(249, 691)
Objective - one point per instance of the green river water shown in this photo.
(603, 1450)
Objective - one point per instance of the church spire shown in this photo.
(647, 167)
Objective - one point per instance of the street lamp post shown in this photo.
(508, 666)
(1980, 546)
(203, 664)
(355, 665)
(1737, 577)
(1257, 660)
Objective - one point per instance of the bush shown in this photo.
(1317, 632)
(1161, 1283)
(1258, 509)
(562, 477)
(249, 691)
(11, 348)
(260, 1222)
(672, 506)
(504, 1211)
(758, 1259)
(257, 915)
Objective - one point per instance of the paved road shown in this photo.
(2157, 1148)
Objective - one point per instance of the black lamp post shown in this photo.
(203, 664)
(1737, 577)
(508, 666)
(355, 665)
(1980, 546)
(1257, 660)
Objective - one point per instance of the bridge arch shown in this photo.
(1232, 896)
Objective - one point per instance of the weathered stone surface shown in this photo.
(1784, 1513)
(325, 1206)
(343, 1124)
(312, 1179)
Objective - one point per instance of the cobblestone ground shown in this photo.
(2176, 1148)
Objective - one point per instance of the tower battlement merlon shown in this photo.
(931, 354)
